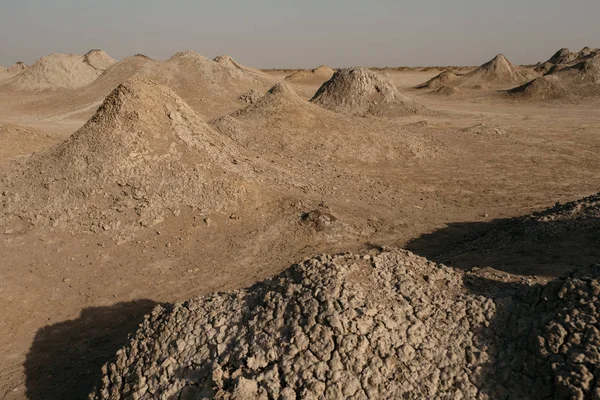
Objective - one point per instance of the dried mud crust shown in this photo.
(392, 325)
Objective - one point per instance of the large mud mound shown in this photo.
(497, 71)
(144, 152)
(387, 326)
(60, 71)
(360, 91)
(331, 327)
(212, 88)
(320, 74)
(564, 82)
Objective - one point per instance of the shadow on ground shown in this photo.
(65, 359)
(523, 246)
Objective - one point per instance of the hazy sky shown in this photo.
(285, 33)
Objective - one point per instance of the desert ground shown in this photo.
(129, 188)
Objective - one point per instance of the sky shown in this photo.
(302, 34)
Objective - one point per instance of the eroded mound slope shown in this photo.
(62, 71)
(360, 91)
(144, 152)
(387, 326)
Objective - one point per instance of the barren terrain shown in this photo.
(148, 182)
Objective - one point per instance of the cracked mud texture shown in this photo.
(393, 325)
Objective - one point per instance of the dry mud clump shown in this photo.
(360, 91)
(392, 325)
(144, 153)
(62, 71)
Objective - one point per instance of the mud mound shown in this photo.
(57, 71)
(446, 78)
(496, 71)
(331, 327)
(579, 80)
(144, 152)
(212, 88)
(391, 325)
(321, 73)
(360, 91)
(99, 59)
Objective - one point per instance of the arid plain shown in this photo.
(128, 184)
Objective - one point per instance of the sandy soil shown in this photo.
(69, 297)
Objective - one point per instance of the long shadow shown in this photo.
(65, 359)
(523, 246)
